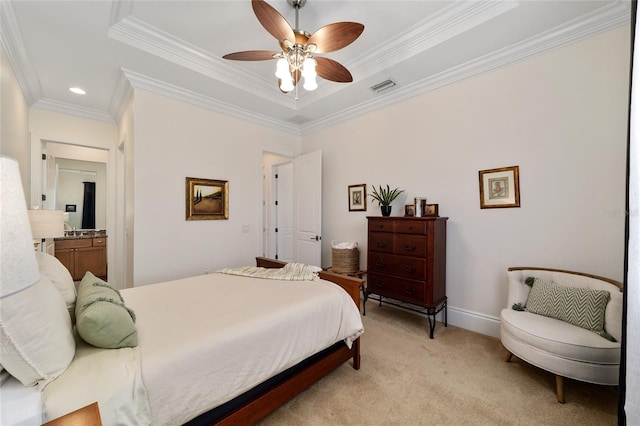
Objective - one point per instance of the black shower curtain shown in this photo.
(89, 206)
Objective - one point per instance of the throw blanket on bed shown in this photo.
(289, 272)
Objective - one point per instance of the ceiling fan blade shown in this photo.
(332, 70)
(272, 21)
(251, 55)
(335, 36)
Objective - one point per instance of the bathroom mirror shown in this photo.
(75, 181)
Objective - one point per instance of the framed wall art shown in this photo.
(358, 198)
(207, 199)
(499, 187)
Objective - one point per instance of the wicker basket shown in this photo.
(345, 261)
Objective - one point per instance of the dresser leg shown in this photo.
(445, 313)
(432, 325)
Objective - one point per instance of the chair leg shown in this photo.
(560, 388)
(508, 357)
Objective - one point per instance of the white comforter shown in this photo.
(206, 339)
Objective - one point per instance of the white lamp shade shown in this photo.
(46, 223)
(18, 264)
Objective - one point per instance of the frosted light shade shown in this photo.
(18, 264)
(286, 83)
(309, 74)
(46, 223)
(282, 69)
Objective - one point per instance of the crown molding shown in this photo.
(159, 87)
(450, 21)
(120, 98)
(71, 109)
(137, 33)
(164, 45)
(600, 20)
(13, 44)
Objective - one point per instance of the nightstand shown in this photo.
(85, 416)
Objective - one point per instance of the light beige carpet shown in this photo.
(458, 378)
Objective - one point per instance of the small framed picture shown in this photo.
(431, 210)
(409, 210)
(499, 187)
(358, 197)
(207, 199)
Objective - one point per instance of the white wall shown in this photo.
(561, 117)
(172, 141)
(14, 121)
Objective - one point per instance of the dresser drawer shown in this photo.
(411, 227)
(410, 245)
(380, 241)
(406, 290)
(401, 266)
(381, 225)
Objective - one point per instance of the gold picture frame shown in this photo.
(207, 199)
(358, 197)
(499, 187)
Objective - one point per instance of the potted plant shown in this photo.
(384, 197)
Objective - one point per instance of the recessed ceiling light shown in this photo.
(77, 91)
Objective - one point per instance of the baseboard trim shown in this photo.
(463, 318)
(473, 321)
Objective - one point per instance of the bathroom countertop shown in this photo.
(82, 234)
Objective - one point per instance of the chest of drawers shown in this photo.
(406, 262)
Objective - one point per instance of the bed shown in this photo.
(222, 348)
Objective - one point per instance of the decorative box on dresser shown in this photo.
(406, 262)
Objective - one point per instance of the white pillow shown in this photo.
(36, 340)
(60, 276)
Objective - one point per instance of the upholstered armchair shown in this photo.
(567, 323)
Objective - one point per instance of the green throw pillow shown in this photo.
(102, 319)
(576, 305)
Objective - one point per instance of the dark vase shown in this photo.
(386, 210)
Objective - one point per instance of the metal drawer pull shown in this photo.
(410, 227)
(379, 284)
(381, 244)
(408, 268)
(381, 263)
(409, 247)
(410, 291)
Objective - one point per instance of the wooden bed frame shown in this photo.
(279, 394)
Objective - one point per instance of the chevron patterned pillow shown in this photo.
(576, 305)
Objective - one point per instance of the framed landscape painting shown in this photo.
(207, 199)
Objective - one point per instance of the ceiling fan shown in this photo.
(297, 58)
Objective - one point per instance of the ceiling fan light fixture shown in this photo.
(286, 83)
(309, 74)
(295, 60)
(282, 69)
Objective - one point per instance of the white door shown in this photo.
(307, 208)
(284, 211)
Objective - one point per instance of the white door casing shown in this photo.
(307, 212)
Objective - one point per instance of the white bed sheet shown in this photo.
(20, 405)
(207, 339)
(111, 377)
